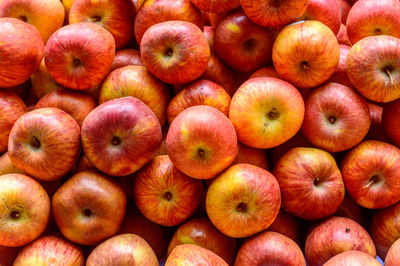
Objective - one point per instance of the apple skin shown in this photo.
(243, 200)
(393, 255)
(268, 72)
(200, 92)
(24, 210)
(274, 13)
(354, 258)
(201, 142)
(297, 140)
(370, 173)
(331, 112)
(190, 254)
(257, 157)
(351, 210)
(200, 231)
(165, 195)
(46, 17)
(131, 136)
(372, 68)
(216, 6)
(126, 249)
(79, 56)
(8, 255)
(334, 236)
(75, 103)
(242, 44)
(116, 16)
(42, 82)
(136, 81)
(287, 225)
(50, 250)
(340, 75)
(377, 129)
(22, 53)
(153, 12)
(370, 18)
(270, 248)
(306, 54)
(7, 167)
(172, 58)
(11, 108)
(89, 208)
(342, 35)
(325, 11)
(344, 10)
(311, 184)
(126, 57)
(266, 112)
(390, 123)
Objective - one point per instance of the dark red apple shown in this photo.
(287, 225)
(340, 75)
(351, 210)
(297, 140)
(190, 254)
(126, 57)
(344, 10)
(377, 129)
(216, 6)
(353, 258)
(390, 121)
(325, 11)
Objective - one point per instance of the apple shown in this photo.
(172, 58)
(200, 92)
(120, 136)
(201, 142)
(163, 147)
(216, 6)
(126, 249)
(334, 236)
(165, 195)
(50, 250)
(325, 11)
(270, 248)
(200, 231)
(287, 225)
(7, 167)
(8, 254)
(84, 164)
(257, 157)
(79, 56)
(331, 113)
(209, 34)
(274, 13)
(157, 11)
(297, 140)
(377, 129)
(116, 16)
(370, 173)
(354, 258)
(342, 35)
(370, 18)
(390, 124)
(372, 67)
(136, 81)
(393, 255)
(266, 112)
(351, 210)
(126, 57)
(45, 143)
(22, 51)
(89, 208)
(242, 44)
(340, 75)
(306, 54)
(268, 72)
(190, 254)
(11, 108)
(344, 10)
(24, 210)
(42, 82)
(215, 18)
(243, 200)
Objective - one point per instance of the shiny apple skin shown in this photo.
(390, 123)
(79, 56)
(23, 196)
(89, 207)
(243, 200)
(46, 16)
(273, 13)
(42, 82)
(325, 11)
(353, 258)
(370, 173)
(257, 157)
(216, 6)
(130, 135)
(303, 174)
(11, 108)
(266, 112)
(370, 18)
(157, 11)
(126, 249)
(340, 75)
(136, 81)
(50, 250)
(201, 142)
(201, 92)
(270, 248)
(7, 167)
(342, 35)
(190, 254)
(8, 255)
(351, 210)
(126, 57)
(75, 103)
(165, 195)
(306, 54)
(287, 225)
(336, 235)
(372, 66)
(116, 16)
(200, 231)
(22, 51)
(242, 44)
(331, 112)
(393, 255)
(45, 143)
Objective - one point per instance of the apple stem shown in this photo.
(387, 71)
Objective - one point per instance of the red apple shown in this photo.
(84, 164)
(7, 167)
(79, 56)
(201, 142)
(257, 157)
(340, 75)
(325, 11)
(342, 35)
(8, 255)
(266, 112)
(24, 210)
(120, 136)
(190, 254)
(268, 72)
(354, 258)
(42, 82)
(216, 6)
(344, 10)
(393, 255)
(286, 225)
(243, 200)
(297, 140)
(209, 33)
(126, 57)
(171, 57)
(377, 129)
(351, 210)
(390, 123)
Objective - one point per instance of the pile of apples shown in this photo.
(199, 132)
